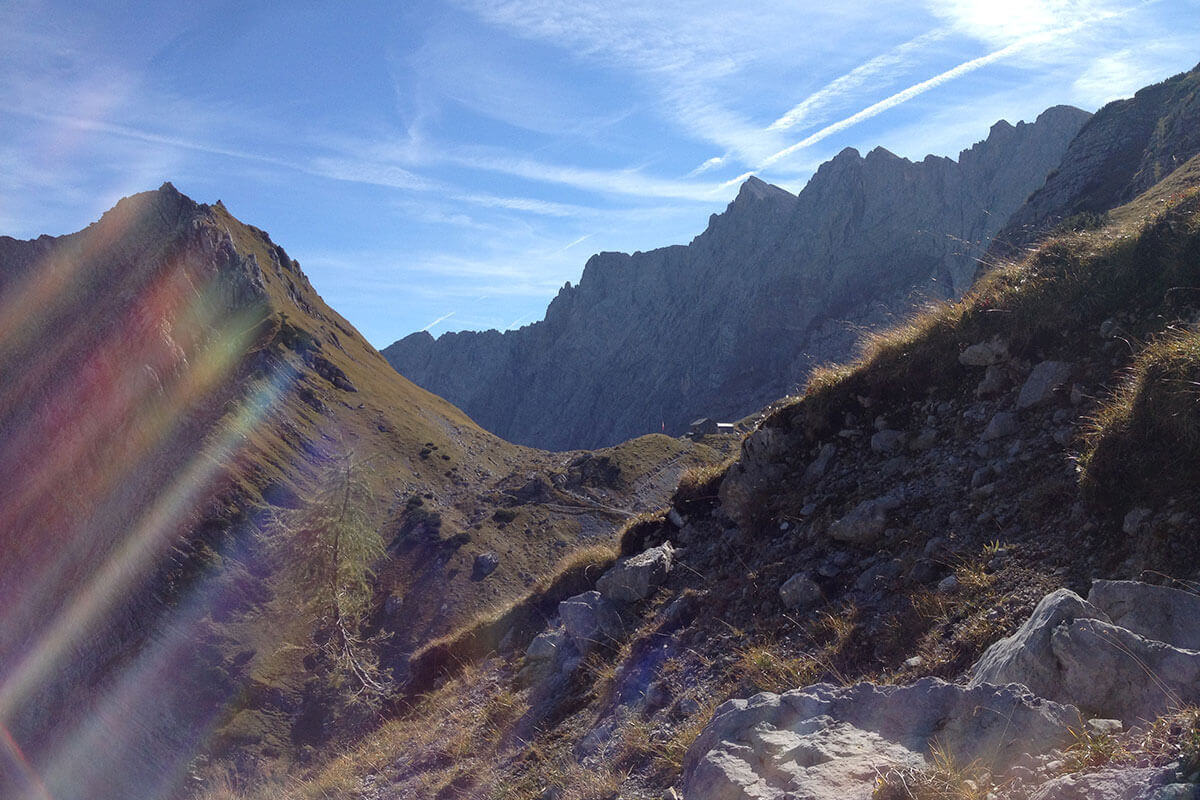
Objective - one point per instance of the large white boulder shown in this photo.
(1110, 671)
(826, 741)
(1070, 650)
(1026, 657)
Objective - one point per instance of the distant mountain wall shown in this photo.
(775, 285)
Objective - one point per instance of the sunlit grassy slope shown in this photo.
(172, 386)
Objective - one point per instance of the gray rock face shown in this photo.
(983, 354)
(1046, 379)
(887, 441)
(757, 470)
(1127, 147)
(865, 522)
(1112, 671)
(546, 645)
(820, 464)
(634, 578)
(1003, 423)
(588, 620)
(1155, 612)
(1070, 651)
(829, 742)
(776, 284)
(485, 564)
(1148, 783)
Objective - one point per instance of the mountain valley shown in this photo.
(949, 552)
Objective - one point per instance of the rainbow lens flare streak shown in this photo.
(91, 428)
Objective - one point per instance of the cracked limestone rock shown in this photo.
(829, 742)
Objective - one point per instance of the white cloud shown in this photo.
(543, 207)
(368, 172)
(1031, 19)
(896, 60)
(896, 99)
(629, 181)
(1012, 20)
(712, 163)
(696, 56)
(569, 245)
(1115, 76)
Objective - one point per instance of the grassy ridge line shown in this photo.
(1070, 283)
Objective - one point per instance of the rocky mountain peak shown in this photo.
(877, 154)
(1128, 146)
(755, 188)
(758, 205)
(846, 154)
(775, 284)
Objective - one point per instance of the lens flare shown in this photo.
(134, 389)
(28, 776)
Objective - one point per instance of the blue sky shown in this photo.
(449, 165)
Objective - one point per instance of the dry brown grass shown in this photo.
(1069, 284)
(1091, 750)
(944, 778)
(454, 737)
(1152, 420)
(524, 618)
(702, 483)
(769, 668)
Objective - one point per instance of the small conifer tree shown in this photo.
(328, 547)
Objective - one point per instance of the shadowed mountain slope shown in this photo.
(174, 389)
(776, 284)
(1127, 147)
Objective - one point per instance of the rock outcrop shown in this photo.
(777, 284)
(825, 741)
(1133, 667)
(1028, 697)
(634, 578)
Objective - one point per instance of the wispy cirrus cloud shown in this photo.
(438, 321)
(1032, 16)
(574, 243)
(897, 60)
(1013, 20)
(628, 181)
(1121, 73)
(695, 58)
(888, 103)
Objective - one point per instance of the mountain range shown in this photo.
(777, 284)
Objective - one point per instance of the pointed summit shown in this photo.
(755, 188)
